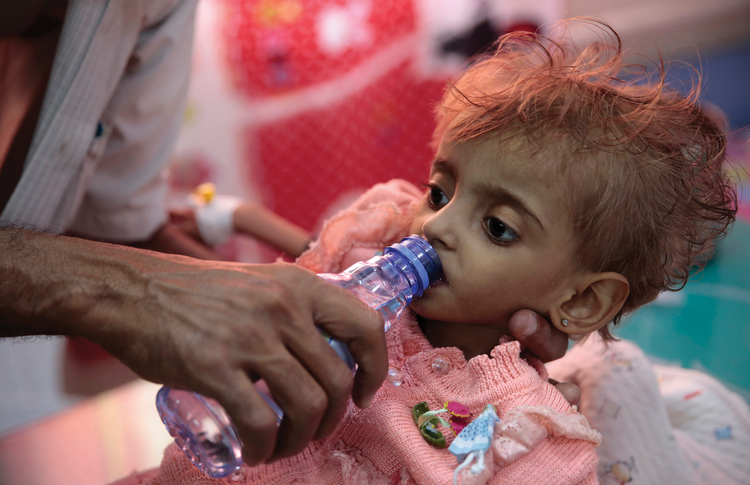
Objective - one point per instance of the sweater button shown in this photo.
(440, 365)
(395, 376)
(239, 474)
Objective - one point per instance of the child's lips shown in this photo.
(441, 281)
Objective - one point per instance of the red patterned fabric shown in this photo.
(304, 161)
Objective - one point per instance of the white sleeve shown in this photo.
(125, 199)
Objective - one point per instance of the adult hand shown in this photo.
(546, 342)
(184, 220)
(210, 327)
(222, 326)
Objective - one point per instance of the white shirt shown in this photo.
(111, 113)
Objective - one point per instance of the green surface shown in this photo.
(706, 325)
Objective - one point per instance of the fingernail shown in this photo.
(528, 323)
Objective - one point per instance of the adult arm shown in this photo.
(210, 327)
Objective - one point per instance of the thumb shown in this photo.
(536, 334)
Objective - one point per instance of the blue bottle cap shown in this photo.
(426, 254)
(422, 256)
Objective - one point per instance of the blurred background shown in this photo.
(304, 104)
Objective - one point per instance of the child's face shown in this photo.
(500, 224)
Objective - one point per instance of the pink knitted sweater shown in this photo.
(382, 444)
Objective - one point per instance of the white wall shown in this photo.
(672, 25)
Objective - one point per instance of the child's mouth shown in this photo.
(441, 281)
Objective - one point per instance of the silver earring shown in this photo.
(565, 322)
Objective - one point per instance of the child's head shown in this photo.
(567, 184)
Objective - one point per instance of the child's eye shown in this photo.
(498, 231)
(437, 197)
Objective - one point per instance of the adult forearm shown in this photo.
(205, 326)
(56, 285)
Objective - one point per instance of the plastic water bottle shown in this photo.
(387, 283)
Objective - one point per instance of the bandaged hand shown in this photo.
(213, 218)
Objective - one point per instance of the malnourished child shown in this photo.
(562, 183)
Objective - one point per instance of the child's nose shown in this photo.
(440, 229)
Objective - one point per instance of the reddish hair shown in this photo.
(653, 196)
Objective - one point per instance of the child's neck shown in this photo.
(471, 339)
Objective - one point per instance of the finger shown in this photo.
(179, 215)
(190, 227)
(256, 423)
(570, 392)
(536, 334)
(330, 372)
(184, 220)
(300, 396)
(347, 319)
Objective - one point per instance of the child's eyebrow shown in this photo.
(445, 166)
(500, 194)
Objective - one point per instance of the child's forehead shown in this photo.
(494, 166)
(510, 152)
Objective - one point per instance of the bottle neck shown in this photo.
(409, 272)
(422, 261)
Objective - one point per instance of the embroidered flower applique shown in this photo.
(427, 421)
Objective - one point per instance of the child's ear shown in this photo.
(592, 303)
